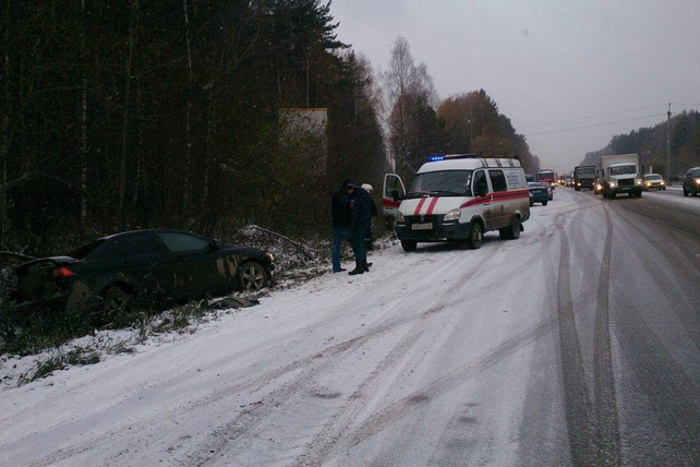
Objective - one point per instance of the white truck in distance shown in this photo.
(620, 174)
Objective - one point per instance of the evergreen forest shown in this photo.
(128, 114)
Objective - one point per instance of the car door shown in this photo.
(394, 191)
(197, 268)
(140, 261)
(482, 183)
(499, 206)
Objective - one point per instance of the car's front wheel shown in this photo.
(252, 276)
(409, 245)
(476, 235)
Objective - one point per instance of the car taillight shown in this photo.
(63, 273)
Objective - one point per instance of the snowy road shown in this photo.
(578, 344)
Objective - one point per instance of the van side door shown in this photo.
(499, 206)
(481, 187)
(394, 192)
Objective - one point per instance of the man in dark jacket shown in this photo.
(341, 213)
(361, 203)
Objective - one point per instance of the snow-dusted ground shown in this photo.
(440, 357)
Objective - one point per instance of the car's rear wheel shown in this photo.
(116, 302)
(544, 203)
(409, 245)
(252, 276)
(476, 235)
(514, 233)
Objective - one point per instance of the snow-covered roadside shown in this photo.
(168, 401)
(443, 356)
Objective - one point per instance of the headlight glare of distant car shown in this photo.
(639, 181)
(451, 216)
(400, 218)
(697, 181)
(663, 183)
(612, 185)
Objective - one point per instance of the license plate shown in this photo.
(422, 226)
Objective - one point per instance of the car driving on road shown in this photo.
(654, 182)
(691, 182)
(168, 265)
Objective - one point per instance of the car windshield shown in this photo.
(695, 173)
(623, 169)
(653, 177)
(85, 250)
(441, 183)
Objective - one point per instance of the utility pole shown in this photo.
(668, 146)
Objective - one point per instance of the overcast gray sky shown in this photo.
(546, 61)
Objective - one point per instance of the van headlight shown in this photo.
(399, 218)
(639, 181)
(451, 216)
(612, 185)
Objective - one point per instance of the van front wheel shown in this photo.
(409, 245)
(475, 236)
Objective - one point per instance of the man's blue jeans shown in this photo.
(339, 234)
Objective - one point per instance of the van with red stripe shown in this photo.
(457, 198)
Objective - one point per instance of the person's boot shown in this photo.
(367, 265)
(359, 269)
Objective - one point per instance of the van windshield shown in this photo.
(585, 172)
(623, 169)
(441, 183)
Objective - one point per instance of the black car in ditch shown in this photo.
(163, 265)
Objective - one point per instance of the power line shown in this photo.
(595, 126)
(597, 116)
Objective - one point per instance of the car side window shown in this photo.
(136, 245)
(498, 180)
(106, 251)
(479, 180)
(178, 242)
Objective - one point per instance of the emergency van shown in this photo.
(457, 198)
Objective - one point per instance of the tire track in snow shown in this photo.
(421, 397)
(324, 443)
(299, 388)
(675, 399)
(607, 445)
(677, 288)
(577, 397)
(604, 395)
